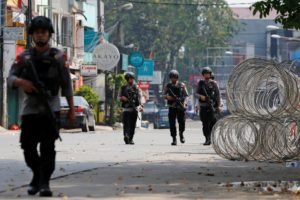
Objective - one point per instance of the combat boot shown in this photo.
(44, 184)
(174, 143)
(131, 142)
(207, 141)
(182, 140)
(45, 191)
(33, 190)
(126, 139)
(34, 185)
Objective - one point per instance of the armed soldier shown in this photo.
(40, 72)
(131, 97)
(209, 100)
(175, 93)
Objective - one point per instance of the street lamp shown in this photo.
(269, 29)
(129, 46)
(276, 36)
(228, 52)
(120, 43)
(272, 27)
(127, 6)
(181, 52)
(124, 7)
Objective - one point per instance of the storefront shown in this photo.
(14, 18)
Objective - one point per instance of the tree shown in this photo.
(162, 28)
(89, 94)
(216, 26)
(115, 81)
(288, 11)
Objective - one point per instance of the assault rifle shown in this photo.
(208, 100)
(131, 102)
(43, 97)
(177, 100)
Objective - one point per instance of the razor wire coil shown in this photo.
(263, 97)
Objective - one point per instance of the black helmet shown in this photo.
(40, 22)
(173, 73)
(129, 75)
(206, 70)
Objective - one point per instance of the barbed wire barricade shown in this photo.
(263, 97)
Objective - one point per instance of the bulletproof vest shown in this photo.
(211, 89)
(132, 94)
(47, 69)
(175, 90)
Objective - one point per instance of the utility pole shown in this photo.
(2, 24)
(28, 18)
(99, 17)
(100, 21)
(120, 45)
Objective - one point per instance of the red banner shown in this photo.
(144, 85)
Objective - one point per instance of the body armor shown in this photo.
(177, 90)
(47, 69)
(211, 90)
(132, 94)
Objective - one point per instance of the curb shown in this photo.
(104, 128)
(3, 129)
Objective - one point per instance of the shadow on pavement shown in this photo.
(162, 179)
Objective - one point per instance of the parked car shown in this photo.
(161, 119)
(150, 110)
(84, 114)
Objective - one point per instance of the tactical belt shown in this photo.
(128, 109)
(203, 104)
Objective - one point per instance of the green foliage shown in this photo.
(89, 94)
(118, 112)
(288, 11)
(115, 81)
(163, 28)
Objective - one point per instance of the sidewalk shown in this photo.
(104, 128)
(98, 128)
(2, 129)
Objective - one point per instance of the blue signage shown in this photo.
(145, 72)
(124, 62)
(136, 59)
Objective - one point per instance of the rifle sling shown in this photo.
(43, 98)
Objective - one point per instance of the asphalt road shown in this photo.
(98, 165)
